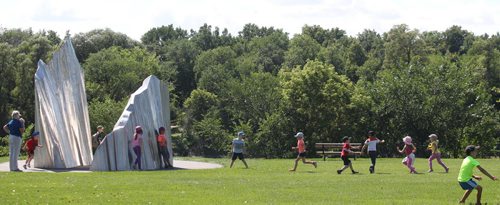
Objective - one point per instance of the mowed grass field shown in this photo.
(267, 181)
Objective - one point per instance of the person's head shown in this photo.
(371, 133)
(241, 135)
(161, 130)
(407, 140)
(138, 130)
(299, 135)
(16, 114)
(35, 135)
(471, 150)
(346, 139)
(433, 137)
(100, 128)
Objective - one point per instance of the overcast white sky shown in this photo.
(135, 17)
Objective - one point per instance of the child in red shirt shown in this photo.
(162, 146)
(301, 148)
(346, 149)
(30, 146)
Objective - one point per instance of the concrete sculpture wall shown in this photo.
(61, 112)
(147, 107)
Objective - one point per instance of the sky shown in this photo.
(136, 17)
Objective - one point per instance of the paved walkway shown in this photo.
(178, 165)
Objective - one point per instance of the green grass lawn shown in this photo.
(266, 182)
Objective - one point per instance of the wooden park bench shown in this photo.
(334, 149)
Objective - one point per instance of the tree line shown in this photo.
(270, 84)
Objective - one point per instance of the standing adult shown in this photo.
(15, 129)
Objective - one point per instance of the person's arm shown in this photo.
(414, 148)
(22, 127)
(485, 173)
(6, 129)
(401, 151)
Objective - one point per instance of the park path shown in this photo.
(178, 165)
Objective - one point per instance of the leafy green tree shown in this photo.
(105, 113)
(455, 38)
(180, 56)
(267, 53)
(302, 48)
(98, 39)
(323, 36)
(214, 68)
(116, 72)
(317, 100)
(402, 47)
(252, 98)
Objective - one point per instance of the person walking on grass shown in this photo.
(371, 144)
(301, 148)
(137, 147)
(15, 129)
(30, 146)
(465, 176)
(409, 150)
(162, 147)
(238, 148)
(433, 147)
(346, 149)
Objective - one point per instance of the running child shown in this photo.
(238, 147)
(301, 148)
(30, 146)
(409, 149)
(436, 154)
(371, 143)
(465, 175)
(346, 149)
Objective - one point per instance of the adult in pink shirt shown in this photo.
(301, 148)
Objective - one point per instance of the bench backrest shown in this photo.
(334, 145)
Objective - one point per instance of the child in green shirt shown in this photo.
(465, 175)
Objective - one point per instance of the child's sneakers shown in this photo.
(24, 166)
(371, 170)
(315, 164)
(447, 169)
(339, 171)
(430, 170)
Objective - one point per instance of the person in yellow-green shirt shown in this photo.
(465, 175)
(436, 154)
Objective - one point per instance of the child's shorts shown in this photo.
(302, 154)
(468, 185)
(237, 155)
(346, 160)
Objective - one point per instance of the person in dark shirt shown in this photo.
(15, 129)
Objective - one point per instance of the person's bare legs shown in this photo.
(232, 162)
(464, 197)
(245, 163)
(296, 163)
(479, 192)
(309, 162)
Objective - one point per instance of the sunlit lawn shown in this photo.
(266, 182)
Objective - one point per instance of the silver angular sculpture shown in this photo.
(61, 112)
(147, 107)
